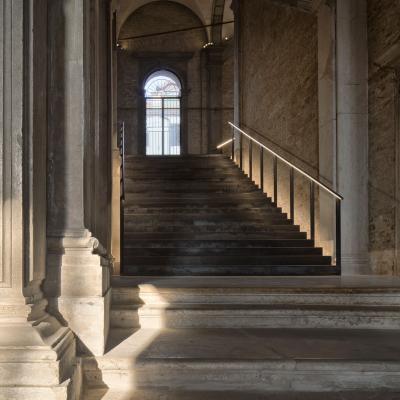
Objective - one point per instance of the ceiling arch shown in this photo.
(208, 11)
(202, 8)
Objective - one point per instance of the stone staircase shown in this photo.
(226, 330)
(201, 215)
(250, 338)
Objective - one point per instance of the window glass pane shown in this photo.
(163, 114)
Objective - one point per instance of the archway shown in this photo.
(163, 114)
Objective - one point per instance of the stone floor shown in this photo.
(206, 395)
(210, 363)
(297, 283)
(258, 344)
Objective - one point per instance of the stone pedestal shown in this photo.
(78, 285)
(37, 352)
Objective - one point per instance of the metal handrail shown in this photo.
(293, 168)
(121, 146)
(287, 162)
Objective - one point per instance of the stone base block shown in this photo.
(38, 360)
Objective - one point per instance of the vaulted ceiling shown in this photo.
(209, 11)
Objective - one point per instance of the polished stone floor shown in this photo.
(224, 395)
(258, 344)
(296, 283)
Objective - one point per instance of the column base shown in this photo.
(37, 356)
(355, 264)
(78, 288)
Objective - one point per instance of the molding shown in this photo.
(163, 55)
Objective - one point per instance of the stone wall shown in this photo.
(199, 69)
(179, 52)
(227, 89)
(279, 90)
(383, 36)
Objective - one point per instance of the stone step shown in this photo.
(205, 174)
(226, 260)
(209, 243)
(232, 228)
(267, 360)
(162, 201)
(245, 303)
(168, 394)
(253, 316)
(35, 392)
(180, 162)
(203, 196)
(228, 180)
(150, 161)
(251, 213)
(230, 270)
(331, 291)
(133, 187)
(221, 251)
(212, 219)
(131, 237)
(175, 202)
(275, 225)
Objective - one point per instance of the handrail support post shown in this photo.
(291, 194)
(261, 168)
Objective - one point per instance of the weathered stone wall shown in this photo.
(279, 90)
(227, 89)
(383, 34)
(200, 71)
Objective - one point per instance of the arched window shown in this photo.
(163, 114)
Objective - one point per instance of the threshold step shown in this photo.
(267, 360)
(168, 394)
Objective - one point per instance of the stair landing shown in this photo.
(286, 338)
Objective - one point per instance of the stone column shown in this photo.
(214, 112)
(326, 16)
(237, 57)
(352, 132)
(235, 6)
(78, 281)
(37, 353)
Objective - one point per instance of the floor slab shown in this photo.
(258, 344)
(227, 395)
(327, 283)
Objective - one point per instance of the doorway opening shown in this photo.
(163, 114)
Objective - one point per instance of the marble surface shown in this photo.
(371, 282)
(226, 395)
(257, 344)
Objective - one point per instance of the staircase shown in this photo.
(249, 338)
(228, 336)
(201, 215)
